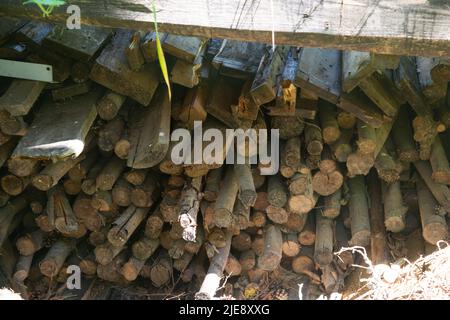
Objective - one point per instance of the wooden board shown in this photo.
(238, 59)
(8, 26)
(150, 134)
(358, 65)
(59, 129)
(319, 72)
(80, 44)
(21, 96)
(112, 71)
(413, 27)
(33, 33)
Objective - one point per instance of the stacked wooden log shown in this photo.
(88, 176)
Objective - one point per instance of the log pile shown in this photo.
(89, 179)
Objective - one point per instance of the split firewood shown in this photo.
(313, 139)
(273, 242)
(291, 161)
(193, 107)
(169, 206)
(60, 212)
(124, 226)
(53, 172)
(291, 246)
(359, 163)
(103, 202)
(434, 226)
(189, 206)
(144, 248)
(344, 259)
(144, 195)
(121, 193)
(342, 148)
(89, 184)
(105, 253)
(22, 269)
(307, 236)
(154, 225)
(346, 120)
(439, 163)
(378, 239)
(112, 271)
(110, 134)
(56, 256)
(323, 245)
(13, 185)
(359, 212)
(212, 185)
(332, 204)
(109, 174)
(133, 52)
(328, 179)
(288, 126)
(223, 212)
(394, 209)
(304, 264)
(440, 192)
(109, 105)
(30, 243)
(303, 198)
(246, 107)
(328, 122)
(161, 271)
(247, 192)
(386, 164)
(8, 213)
(79, 72)
(212, 279)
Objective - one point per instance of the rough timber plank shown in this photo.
(359, 65)
(78, 44)
(150, 135)
(59, 129)
(112, 71)
(319, 72)
(411, 27)
(20, 96)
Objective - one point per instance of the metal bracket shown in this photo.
(26, 70)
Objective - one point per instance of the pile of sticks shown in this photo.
(88, 177)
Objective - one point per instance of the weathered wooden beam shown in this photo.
(356, 66)
(238, 59)
(21, 96)
(319, 72)
(59, 129)
(112, 71)
(80, 44)
(149, 144)
(380, 26)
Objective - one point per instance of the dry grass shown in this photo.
(428, 278)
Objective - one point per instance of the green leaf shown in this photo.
(161, 58)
